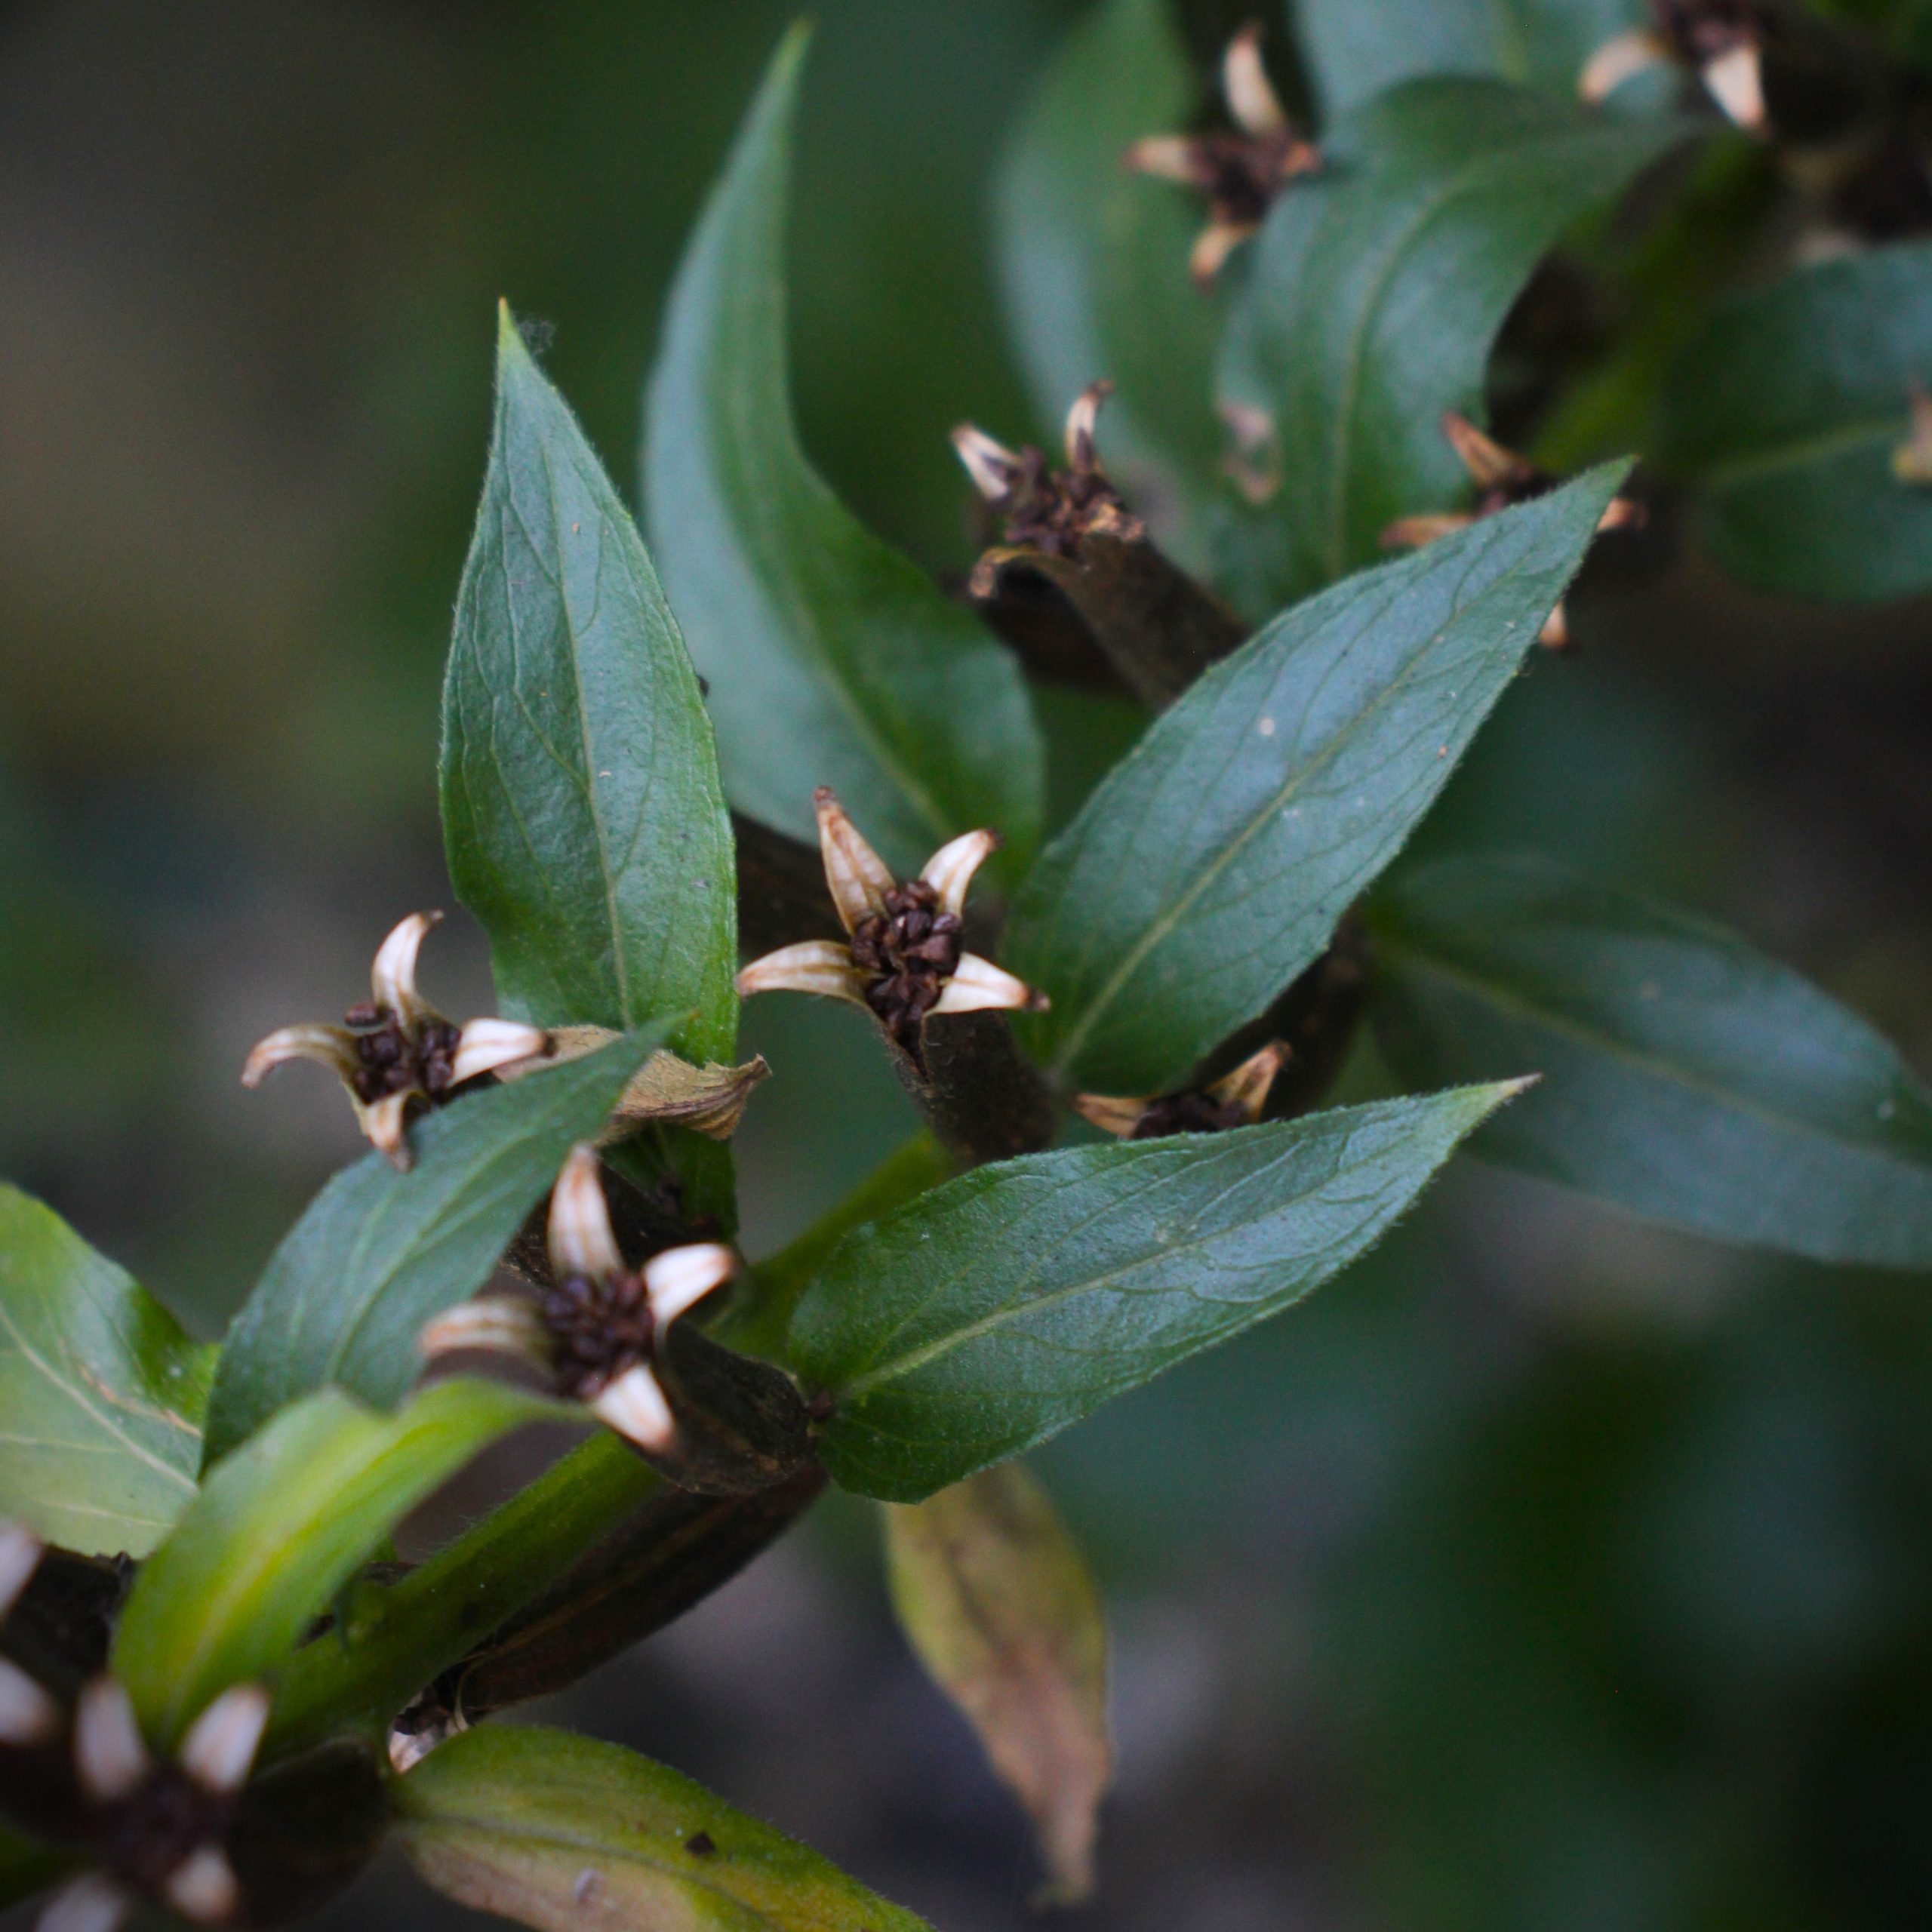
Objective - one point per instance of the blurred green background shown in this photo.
(1547, 1572)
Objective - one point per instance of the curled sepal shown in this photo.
(1722, 41)
(905, 959)
(153, 1830)
(1068, 529)
(1236, 1099)
(1503, 478)
(610, 1336)
(1239, 172)
(710, 1099)
(394, 1052)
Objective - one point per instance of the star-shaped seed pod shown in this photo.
(904, 961)
(152, 1830)
(1503, 478)
(1240, 173)
(1047, 510)
(1721, 41)
(596, 1330)
(394, 1051)
(1236, 1099)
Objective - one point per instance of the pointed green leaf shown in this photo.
(1686, 1077)
(1212, 863)
(996, 1597)
(1357, 47)
(985, 1316)
(1379, 287)
(556, 1831)
(832, 659)
(378, 1252)
(1093, 262)
(1784, 416)
(280, 1528)
(585, 822)
(101, 1391)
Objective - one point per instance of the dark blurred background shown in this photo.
(1548, 1571)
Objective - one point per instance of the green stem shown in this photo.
(780, 1280)
(440, 1612)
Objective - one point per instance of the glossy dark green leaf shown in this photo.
(585, 822)
(1378, 289)
(279, 1528)
(1093, 262)
(102, 1392)
(378, 1252)
(832, 659)
(1357, 47)
(554, 1830)
(986, 1315)
(1212, 863)
(1784, 414)
(1686, 1077)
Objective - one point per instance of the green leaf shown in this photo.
(585, 822)
(1093, 262)
(1358, 47)
(1783, 416)
(27, 1867)
(102, 1390)
(1686, 1078)
(554, 1831)
(832, 659)
(434, 1617)
(1212, 863)
(280, 1528)
(985, 1316)
(1379, 287)
(994, 1594)
(378, 1252)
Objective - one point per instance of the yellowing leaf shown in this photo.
(998, 1601)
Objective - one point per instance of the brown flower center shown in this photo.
(907, 952)
(1051, 510)
(598, 1327)
(1242, 174)
(1187, 1113)
(150, 1834)
(393, 1060)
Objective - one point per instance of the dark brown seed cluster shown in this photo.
(1701, 30)
(1241, 174)
(1051, 510)
(148, 1835)
(907, 952)
(1187, 1113)
(597, 1329)
(393, 1063)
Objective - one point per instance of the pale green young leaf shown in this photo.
(279, 1527)
(832, 659)
(554, 1830)
(101, 1391)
